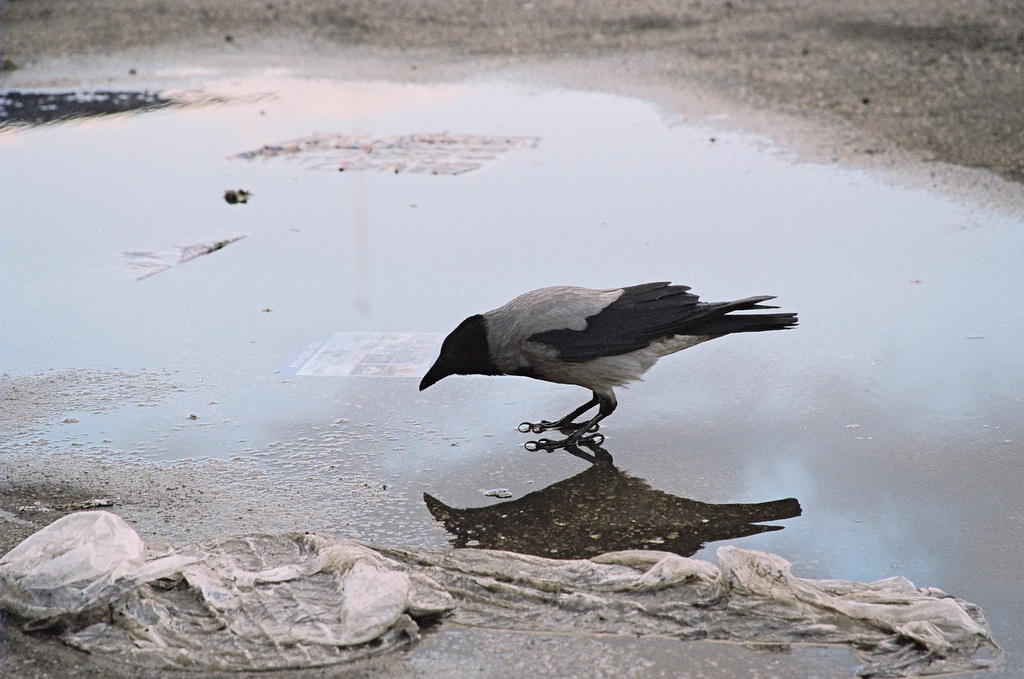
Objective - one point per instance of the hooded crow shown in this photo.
(597, 339)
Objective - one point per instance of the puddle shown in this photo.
(893, 413)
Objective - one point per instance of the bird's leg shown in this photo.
(581, 433)
(564, 423)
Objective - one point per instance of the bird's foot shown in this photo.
(547, 425)
(577, 438)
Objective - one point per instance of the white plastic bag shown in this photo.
(78, 563)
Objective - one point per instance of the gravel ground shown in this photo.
(942, 78)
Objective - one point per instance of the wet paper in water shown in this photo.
(148, 263)
(435, 153)
(368, 354)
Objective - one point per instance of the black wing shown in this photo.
(645, 313)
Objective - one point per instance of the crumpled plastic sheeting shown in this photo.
(79, 563)
(276, 601)
(255, 602)
(752, 597)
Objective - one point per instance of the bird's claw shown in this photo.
(547, 425)
(537, 427)
(548, 446)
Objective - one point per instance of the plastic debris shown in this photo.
(254, 602)
(750, 597)
(79, 563)
(147, 263)
(434, 153)
(301, 600)
(68, 507)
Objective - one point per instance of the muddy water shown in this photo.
(892, 414)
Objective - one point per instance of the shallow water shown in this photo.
(892, 413)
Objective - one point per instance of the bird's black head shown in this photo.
(463, 352)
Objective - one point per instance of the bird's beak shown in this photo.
(436, 373)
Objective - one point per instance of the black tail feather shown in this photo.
(720, 321)
(726, 325)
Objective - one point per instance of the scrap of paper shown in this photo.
(368, 354)
(146, 263)
(436, 153)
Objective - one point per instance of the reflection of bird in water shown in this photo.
(603, 510)
(598, 339)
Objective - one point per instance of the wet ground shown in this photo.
(892, 414)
